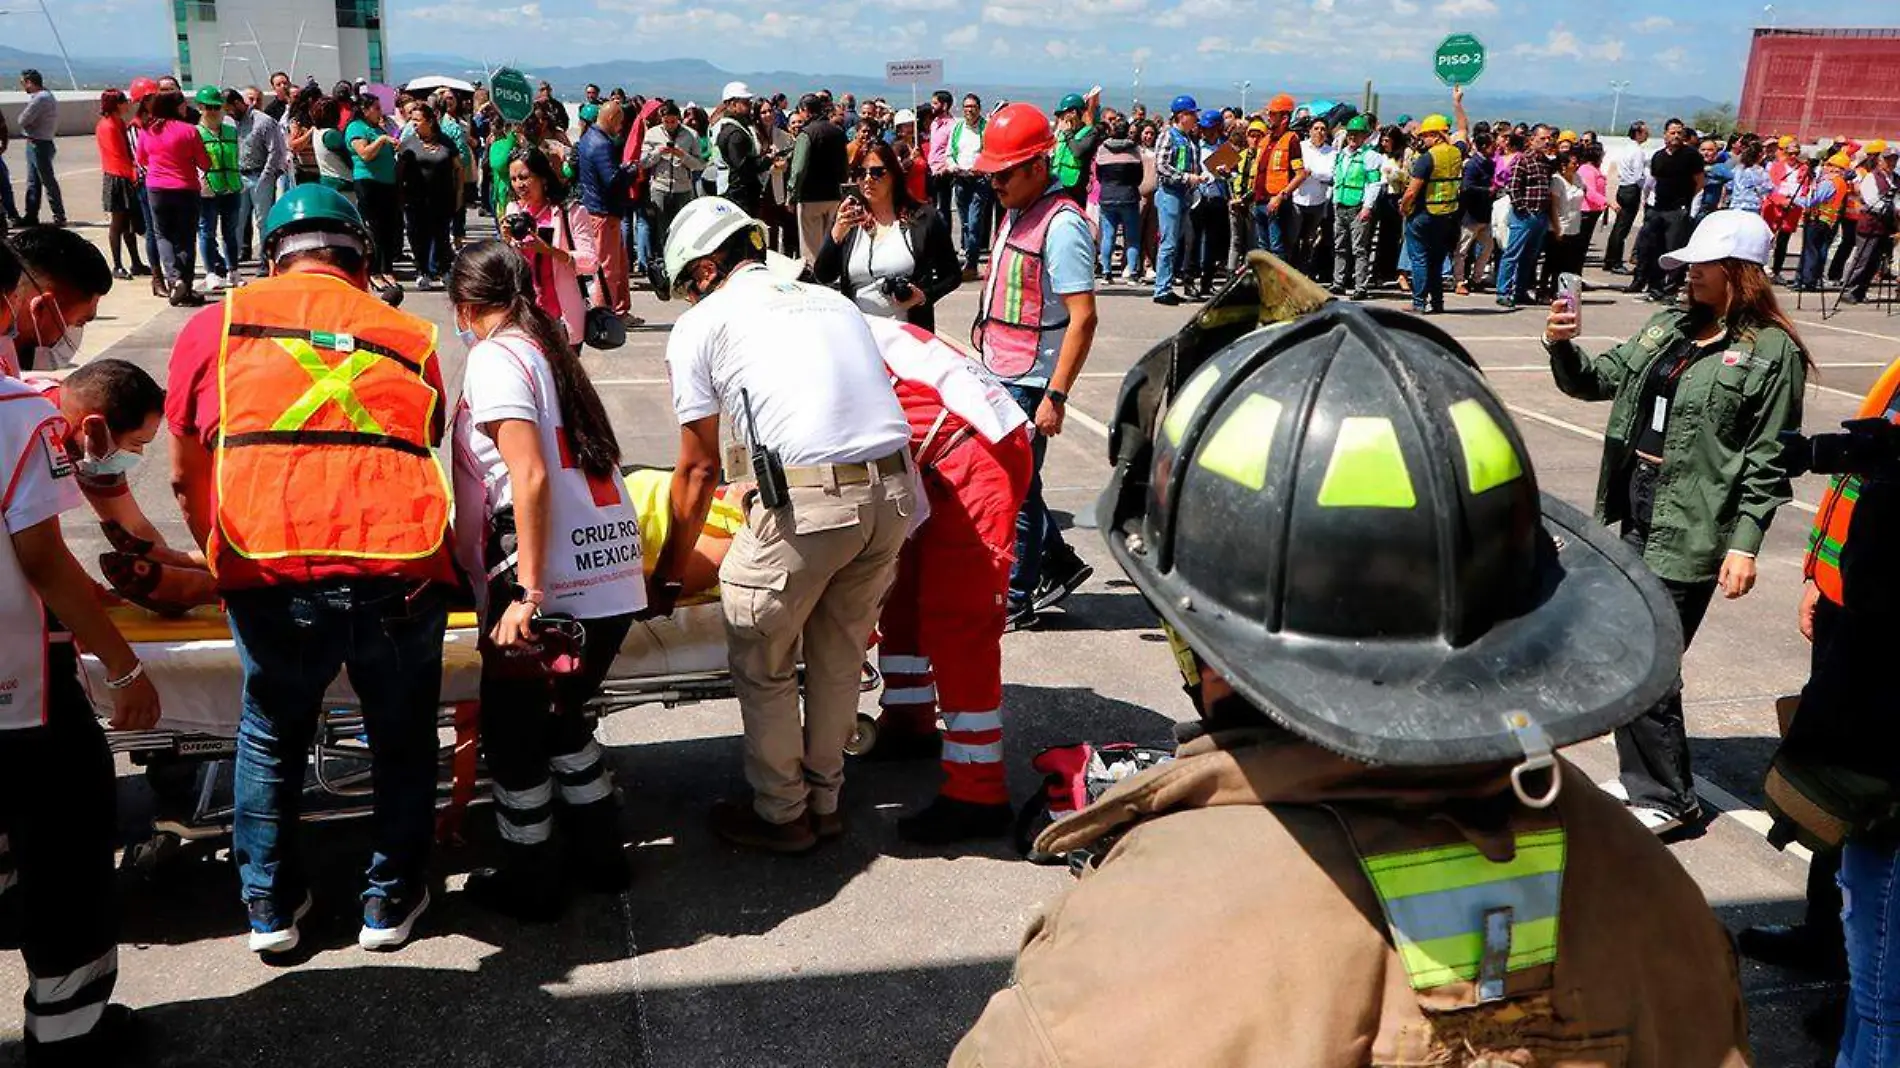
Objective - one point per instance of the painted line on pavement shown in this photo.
(1738, 810)
(1848, 330)
(1088, 422)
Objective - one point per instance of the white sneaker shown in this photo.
(233, 280)
(278, 941)
(1655, 820)
(386, 925)
(1614, 787)
(214, 282)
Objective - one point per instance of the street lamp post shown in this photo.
(1244, 86)
(1616, 106)
(1136, 99)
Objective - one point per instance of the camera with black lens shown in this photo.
(1867, 447)
(519, 225)
(897, 287)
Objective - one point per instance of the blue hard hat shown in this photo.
(1210, 119)
(1182, 103)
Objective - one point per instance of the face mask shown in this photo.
(117, 462)
(63, 350)
(468, 336)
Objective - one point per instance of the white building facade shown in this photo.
(240, 42)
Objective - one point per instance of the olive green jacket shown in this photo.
(1722, 475)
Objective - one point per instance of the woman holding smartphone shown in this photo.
(888, 252)
(1692, 460)
(561, 545)
(557, 242)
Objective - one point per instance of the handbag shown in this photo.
(602, 328)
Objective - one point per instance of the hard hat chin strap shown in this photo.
(311, 240)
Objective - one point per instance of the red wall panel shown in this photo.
(1817, 84)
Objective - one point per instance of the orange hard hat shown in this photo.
(1016, 134)
(1283, 102)
(141, 88)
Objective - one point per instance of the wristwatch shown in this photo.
(523, 595)
(1061, 398)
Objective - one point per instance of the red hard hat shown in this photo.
(1016, 133)
(141, 88)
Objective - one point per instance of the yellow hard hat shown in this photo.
(1839, 159)
(1787, 141)
(1434, 124)
(1568, 135)
(1875, 147)
(1257, 125)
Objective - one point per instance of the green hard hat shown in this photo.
(209, 96)
(1338, 515)
(590, 113)
(318, 211)
(1072, 102)
(1358, 124)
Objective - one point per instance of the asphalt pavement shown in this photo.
(870, 952)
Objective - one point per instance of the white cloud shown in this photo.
(1676, 59)
(920, 5)
(1000, 15)
(1213, 45)
(1057, 48)
(1451, 9)
(962, 37)
(1558, 42)
(1653, 24)
(1323, 7)
(521, 17)
(1142, 55)
(694, 20)
(1404, 7)
(1609, 50)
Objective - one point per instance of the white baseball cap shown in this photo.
(735, 91)
(1730, 234)
(903, 116)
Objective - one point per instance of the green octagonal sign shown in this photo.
(1459, 60)
(511, 93)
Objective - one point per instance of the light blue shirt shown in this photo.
(1068, 267)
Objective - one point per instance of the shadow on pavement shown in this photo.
(1778, 999)
(1735, 763)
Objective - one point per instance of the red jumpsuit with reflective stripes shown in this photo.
(942, 628)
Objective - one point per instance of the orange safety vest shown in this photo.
(325, 458)
(1828, 212)
(1283, 160)
(1836, 515)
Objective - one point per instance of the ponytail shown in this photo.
(489, 274)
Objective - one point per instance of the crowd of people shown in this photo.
(889, 482)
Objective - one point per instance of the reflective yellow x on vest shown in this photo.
(327, 423)
(1828, 537)
(1441, 189)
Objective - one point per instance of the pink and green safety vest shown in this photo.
(1011, 318)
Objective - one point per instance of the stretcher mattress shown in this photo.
(194, 662)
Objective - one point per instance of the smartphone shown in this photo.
(1570, 291)
(850, 191)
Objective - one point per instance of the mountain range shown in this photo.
(696, 79)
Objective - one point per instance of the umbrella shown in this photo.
(438, 81)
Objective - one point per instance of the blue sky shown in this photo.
(1698, 47)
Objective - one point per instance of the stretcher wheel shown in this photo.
(863, 736)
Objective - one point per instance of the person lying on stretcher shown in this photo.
(169, 582)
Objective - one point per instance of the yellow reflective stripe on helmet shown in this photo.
(1367, 469)
(1456, 959)
(1436, 902)
(1240, 447)
(1184, 660)
(1490, 459)
(327, 384)
(1188, 401)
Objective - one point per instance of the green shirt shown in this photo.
(498, 153)
(383, 167)
(1068, 166)
(222, 146)
(1722, 474)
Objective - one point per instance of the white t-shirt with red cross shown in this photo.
(36, 484)
(592, 569)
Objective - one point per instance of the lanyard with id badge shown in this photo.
(1661, 394)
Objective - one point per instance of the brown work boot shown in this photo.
(739, 823)
(827, 824)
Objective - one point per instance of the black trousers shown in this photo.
(175, 215)
(1652, 751)
(381, 205)
(1664, 230)
(57, 825)
(1211, 231)
(1849, 235)
(1869, 254)
(1629, 198)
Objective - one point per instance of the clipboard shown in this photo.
(1225, 156)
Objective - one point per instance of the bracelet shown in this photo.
(130, 677)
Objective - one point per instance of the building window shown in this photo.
(184, 60)
(359, 14)
(376, 57)
(194, 10)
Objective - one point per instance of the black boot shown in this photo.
(896, 744)
(115, 1039)
(947, 820)
(525, 887)
(596, 855)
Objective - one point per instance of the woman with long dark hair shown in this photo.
(1388, 234)
(373, 163)
(120, 192)
(561, 545)
(303, 133)
(889, 253)
(1692, 459)
(552, 235)
(173, 156)
(429, 173)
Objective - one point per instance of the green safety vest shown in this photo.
(1457, 916)
(1068, 168)
(222, 147)
(1448, 173)
(1350, 177)
(956, 136)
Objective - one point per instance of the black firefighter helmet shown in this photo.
(1339, 516)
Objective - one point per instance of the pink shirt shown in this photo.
(557, 284)
(1595, 196)
(940, 143)
(173, 156)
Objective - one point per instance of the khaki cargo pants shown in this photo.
(811, 576)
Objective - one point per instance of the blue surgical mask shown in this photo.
(121, 462)
(468, 336)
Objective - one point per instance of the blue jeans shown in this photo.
(1036, 533)
(1428, 237)
(1271, 228)
(151, 230)
(974, 200)
(1171, 216)
(39, 175)
(1127, 219)
(8, 212)
(640, 239)
(1520, 254)
(1870, 913)
(218, 215)
(292, 641)
(259, 197)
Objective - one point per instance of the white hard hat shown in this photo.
(735, 91)
(1724, 235)
(701, 228)
(903, 116)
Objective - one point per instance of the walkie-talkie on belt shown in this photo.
(767, 471)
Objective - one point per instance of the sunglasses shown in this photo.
(1004, 177)
(868, 172)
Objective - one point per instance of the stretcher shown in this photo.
(194, 664)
